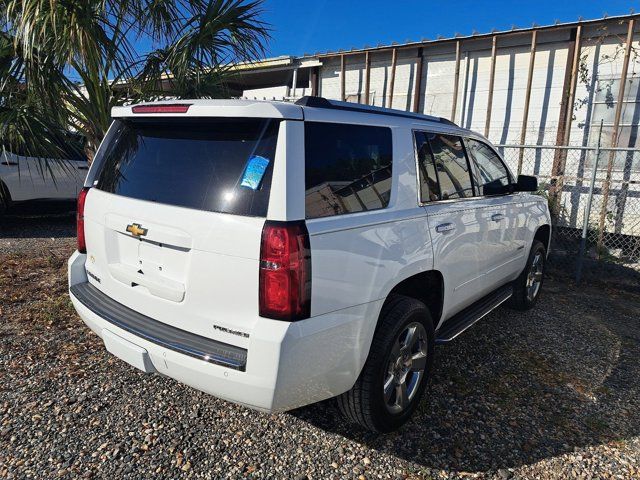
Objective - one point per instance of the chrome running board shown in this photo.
(470, 315)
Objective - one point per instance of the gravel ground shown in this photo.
(34, 234)
(552, 393)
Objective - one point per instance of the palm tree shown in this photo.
(65, 63)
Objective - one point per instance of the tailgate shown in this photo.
(194, 270)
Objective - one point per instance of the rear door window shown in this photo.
(453, 175)
(220, 165)
(347, 168)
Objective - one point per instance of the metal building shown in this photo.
(493, 83)
(532, 91)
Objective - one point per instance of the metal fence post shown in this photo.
(615, 134)
(587, 211)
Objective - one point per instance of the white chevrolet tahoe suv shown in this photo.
(277, 254)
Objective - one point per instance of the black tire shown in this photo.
(521, 298)
(365, 403)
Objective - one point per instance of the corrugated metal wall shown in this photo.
(600, 54)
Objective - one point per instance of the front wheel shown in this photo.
(527, 287)
(396, 372)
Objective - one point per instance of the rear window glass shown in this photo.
(347, 168)
(219, 165)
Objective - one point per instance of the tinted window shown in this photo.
(451, 166)
(220, 165)
(489, 167)
(428, 179)
(347, 168)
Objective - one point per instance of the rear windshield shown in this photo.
(219, 165)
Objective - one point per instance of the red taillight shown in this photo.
(82, 196)
(166, 108)
(285, 271)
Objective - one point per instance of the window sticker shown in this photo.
(254, 171)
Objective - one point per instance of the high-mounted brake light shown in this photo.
(82, 197)
(285, 271)
(164, 108)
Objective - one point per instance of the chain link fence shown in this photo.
(594, 197)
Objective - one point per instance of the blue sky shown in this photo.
(321, 25)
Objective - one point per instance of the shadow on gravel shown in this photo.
(39, 220)
(521, 387)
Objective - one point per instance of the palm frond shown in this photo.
(65, 63)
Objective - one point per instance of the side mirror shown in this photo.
(526, 183)
(495, 187)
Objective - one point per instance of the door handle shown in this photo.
(496, 217)
(10, 163)
(83, 167)
(445, 227)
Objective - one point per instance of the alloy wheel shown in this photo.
(405, 368)
(534, 279)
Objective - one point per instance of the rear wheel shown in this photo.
(527, 287)
(396, 372)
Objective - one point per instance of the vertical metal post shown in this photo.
(492, 77)
(315, 81)
(587, 210)
(564, 122)
(465, 91)
(614, 134)
(456, 80)
(572, 86)
(527, 98)
(342, 79)
(367, 76)
(418, 82)
(392, 80)
(294, 81)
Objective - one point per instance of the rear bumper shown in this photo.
(159, 333)
(287, 365)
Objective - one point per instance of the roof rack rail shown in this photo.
(321, 102)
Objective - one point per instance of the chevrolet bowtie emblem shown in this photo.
(136, 230)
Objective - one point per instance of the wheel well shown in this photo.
(428, 287)
(543, 234)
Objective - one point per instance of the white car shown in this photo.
(277, 254)
(25, 179)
